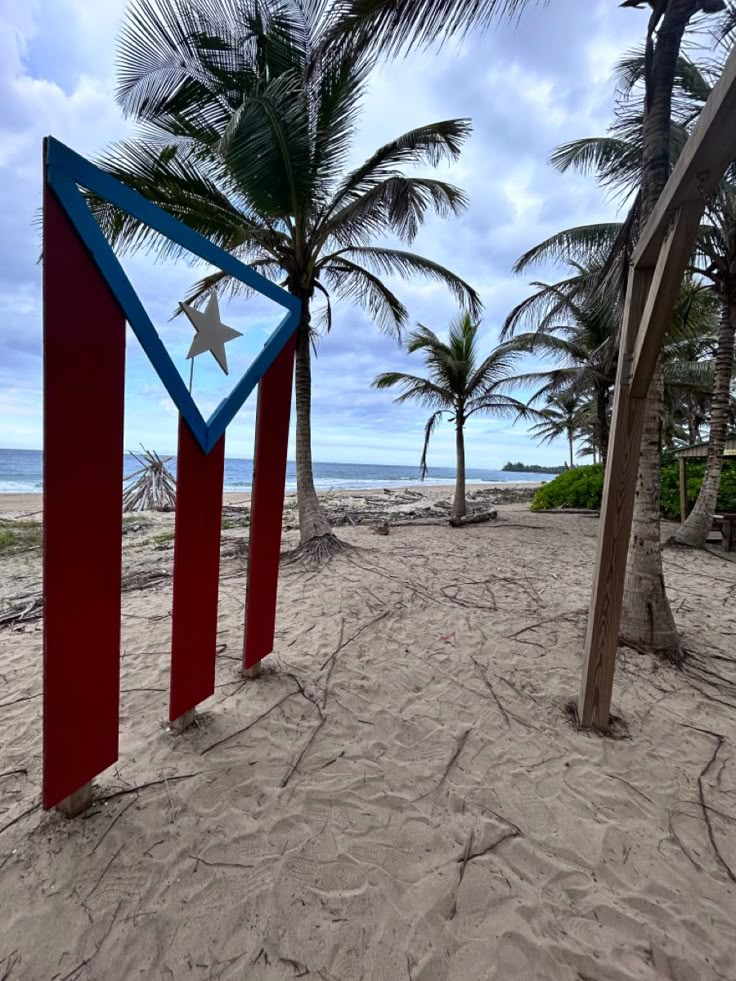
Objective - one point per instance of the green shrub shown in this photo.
(670, 499)
(581, 487)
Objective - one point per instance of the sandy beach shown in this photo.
(402, 795)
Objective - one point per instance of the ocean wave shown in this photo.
(20, 487)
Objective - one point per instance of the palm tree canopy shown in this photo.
(459, 382)
(246, 122)
(458, 379)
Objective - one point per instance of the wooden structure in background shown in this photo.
(698, 451)
(657, 268)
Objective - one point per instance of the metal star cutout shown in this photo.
(211, 334)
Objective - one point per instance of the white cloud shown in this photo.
(527, 88)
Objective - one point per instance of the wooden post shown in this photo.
(199, 478)
(672, 262)
(267, 506)
(84, 372)
(662, 253)
(649, 303)
(617, 510)
(683, 489)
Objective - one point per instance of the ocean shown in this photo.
(21, 473)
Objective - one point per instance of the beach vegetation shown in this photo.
(246, 121)
(580, 487)
(583, 488)
(19, 536)
(696, 473)
(459, 383)
(520, 467)
(162, 540)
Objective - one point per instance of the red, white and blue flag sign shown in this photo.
(87, 300)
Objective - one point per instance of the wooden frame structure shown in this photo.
(698, 451)
(657, 267)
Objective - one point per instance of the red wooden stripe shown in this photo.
(84, 378)
(199, 479)
(267, 505)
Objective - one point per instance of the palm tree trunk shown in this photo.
(657, 119)
(312, 521)
(647, 622)
(570, 442)
(695, 530)
(458, 506)
(601, 411)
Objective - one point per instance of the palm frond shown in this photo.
(429, 428)
(353, 282)
(198, 58)
(415, 389)
(396, 205)
(616, 162)
(391, 25)
(431, 144)
(194, 191)
(400, 263)
(583, 244)
(266, 144)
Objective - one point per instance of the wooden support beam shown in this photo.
(683, 489)
(710, 149)
(658, 263)
(617, 510)
(672, 262)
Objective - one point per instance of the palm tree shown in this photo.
(647, 619)
(458, 385)
(560, 417)
(574, 323)
(615, 159)
(246, 120)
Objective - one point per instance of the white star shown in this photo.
(211, 334)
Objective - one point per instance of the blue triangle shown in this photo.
(65, 170)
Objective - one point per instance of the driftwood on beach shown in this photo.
(152, 487)
(480, 517)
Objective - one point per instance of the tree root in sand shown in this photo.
(317, 552)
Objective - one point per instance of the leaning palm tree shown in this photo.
(246, 123)
(458, 385)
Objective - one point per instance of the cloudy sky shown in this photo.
(527, 88)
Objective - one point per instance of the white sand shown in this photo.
(324, 834)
